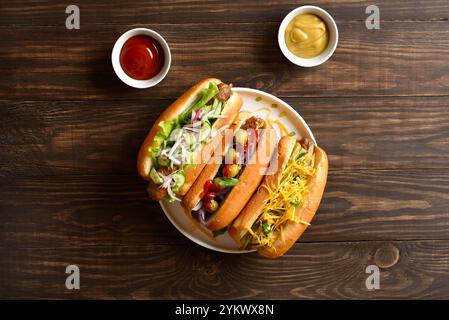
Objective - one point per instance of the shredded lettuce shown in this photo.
(167, 127)
(204, 97)
(157, 143)
(207, 94)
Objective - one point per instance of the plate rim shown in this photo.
(306, 126)
(205, 244)
(196, 240)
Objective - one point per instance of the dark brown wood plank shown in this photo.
(91, 210)
(402, 58)
(103, 137)
(323, 271)
(114, 210)
(70, 131)
(25, 13)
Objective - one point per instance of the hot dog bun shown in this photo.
(144, 160)
(193, 196)
(291, 230)
(250, 178)
(253, 208)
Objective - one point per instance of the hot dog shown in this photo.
(285, 203)
(176, 149)
(222, 189)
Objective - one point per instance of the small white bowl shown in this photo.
(333, 37)
(115, 57)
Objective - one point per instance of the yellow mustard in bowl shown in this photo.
(307, 35)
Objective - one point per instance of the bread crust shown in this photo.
(144, 161)
(250, 178)
(255, 206)
(292, 231)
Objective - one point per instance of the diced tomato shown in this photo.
(227, 170)
(211, 206)
(209, 186)
(210, 196)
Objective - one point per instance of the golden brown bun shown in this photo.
(175, 109)
(154, 192)
(144, 161)
(193, 196)
(292, 230)
(250, 178)
(254, 207)
(206, 150)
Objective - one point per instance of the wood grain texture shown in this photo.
(28, 12)
(394, 60)
(70, 132)
(114, 210)
(54, 138)
(309, 270)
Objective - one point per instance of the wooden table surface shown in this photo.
(70, 131)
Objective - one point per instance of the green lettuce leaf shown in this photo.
(167, 127)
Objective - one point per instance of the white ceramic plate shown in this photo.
(253, 100)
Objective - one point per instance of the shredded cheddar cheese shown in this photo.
(282, 128)
(285, 200)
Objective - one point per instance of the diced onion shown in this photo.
(174, 160)
(167, 181)
(198, 114)
(175, 146)
(172, 194)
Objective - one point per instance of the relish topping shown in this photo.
(215, 191)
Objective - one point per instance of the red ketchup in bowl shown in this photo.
(141, 57)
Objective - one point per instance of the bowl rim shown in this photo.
(115, 58)
(326, 54)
